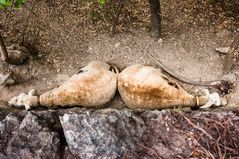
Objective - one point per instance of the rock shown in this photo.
(160, 42)
(117, 44)
(2, 156)
(172, 134)
(34, 139)
(68, 155)
(229, 77)
(7, 77)
(111, 133)
(17, 54)
(7, 126)
(102, 134)
(162, 137)
(223, 50)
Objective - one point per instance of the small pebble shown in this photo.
(117, 44)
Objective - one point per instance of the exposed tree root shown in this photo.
(219, 138)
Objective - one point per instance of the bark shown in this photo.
(12, 56)
(231, 55)
(3, 50)
(155, 18)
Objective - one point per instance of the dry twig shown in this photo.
(222, 135)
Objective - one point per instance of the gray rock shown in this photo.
(104, 134)
(223, 50)
(6, 77)
(116, 134)
(34, 139)
(7, 126)
(2, 156)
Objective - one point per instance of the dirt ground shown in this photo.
(70, 34)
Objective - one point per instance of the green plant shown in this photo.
(8, 3)
(102, 2)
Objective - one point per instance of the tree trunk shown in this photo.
(155, 18)
(231, 55)
(3, 50)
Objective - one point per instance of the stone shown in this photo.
(7, 126)
(109, 134)
(17, 54)
(2, 156)
(7, 77)
(117, 44)
(223, 50)
(172, 134)
(162, 137)
(34, 139)
(229, 77)
(103, 133)
(68, 155)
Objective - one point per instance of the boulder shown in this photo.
(109, 133)
(34, 139)
(105, 134)
(7, 126)
(162, 139)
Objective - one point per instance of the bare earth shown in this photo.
(70, 35)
